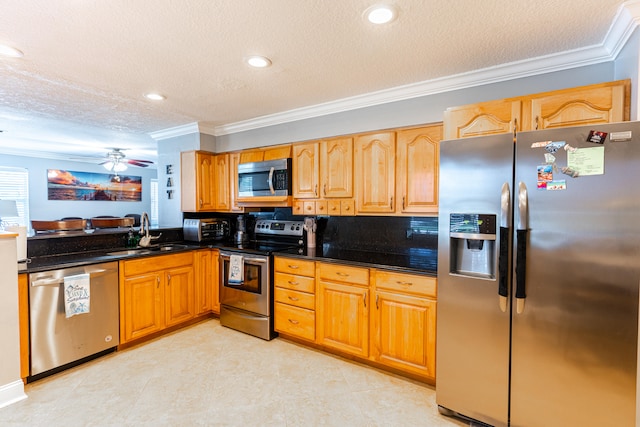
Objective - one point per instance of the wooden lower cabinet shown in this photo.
(295, 299)
(343, 313)
(404, 322)
(179, 295)
(207, 292)
(155, 293)
(23, 321)
(383, 316)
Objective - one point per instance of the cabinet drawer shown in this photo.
(344, 273)
(295, 321)
(295, 266)
(157, 263)
(410, 283)
(297, 283)
(299, 299)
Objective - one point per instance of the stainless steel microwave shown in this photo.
(261, 179)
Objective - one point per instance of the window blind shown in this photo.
(154, 202)
(14, 185)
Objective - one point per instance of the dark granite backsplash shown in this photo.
(392, 235)
(76, 242)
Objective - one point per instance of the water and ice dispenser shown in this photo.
(472, 242)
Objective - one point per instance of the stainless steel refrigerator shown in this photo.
(538, 277)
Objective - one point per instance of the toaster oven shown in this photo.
(205, 230)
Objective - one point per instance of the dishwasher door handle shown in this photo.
(55, 281)
(48, 282)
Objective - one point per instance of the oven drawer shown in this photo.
(295, 266)
(295, 321)
(299, 299)
(296, 283)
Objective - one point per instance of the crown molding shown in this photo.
(189, 128)
(626, 20)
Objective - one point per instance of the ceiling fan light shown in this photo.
(119, 167)
(108, 165)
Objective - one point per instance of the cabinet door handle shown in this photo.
(324, 189)
(364, 299)
(292, 283)
(341, 274)
(294, 267)
(168, 279)
(403, 197)
(401, 283)
(377, 297)
(536, 122)
(294, 299)
(200, 202)
(315, 190)
(293, 321)
(158, 280)
(391, 203)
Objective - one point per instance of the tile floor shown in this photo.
(210, 375)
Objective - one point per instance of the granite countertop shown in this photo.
(416, 261)
(55, 262)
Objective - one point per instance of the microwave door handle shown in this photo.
(271, 180)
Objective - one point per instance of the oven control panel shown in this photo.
(279, 228)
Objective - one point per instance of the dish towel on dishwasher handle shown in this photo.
(77, 294)
(236, 269)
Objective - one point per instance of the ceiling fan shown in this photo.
(116, 161)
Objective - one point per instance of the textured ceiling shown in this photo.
(87, 63)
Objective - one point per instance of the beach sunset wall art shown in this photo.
(72, 185)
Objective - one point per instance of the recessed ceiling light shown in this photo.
(10, 51)
(258, 61)
(381, 13)
(155, 96)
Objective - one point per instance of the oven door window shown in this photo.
(253, 277)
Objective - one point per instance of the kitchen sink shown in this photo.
(149, 250)
(172, 247)
(130, 252)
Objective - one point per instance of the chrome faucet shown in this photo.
(144, 230)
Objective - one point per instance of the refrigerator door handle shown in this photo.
(503, 254)
(521, 246)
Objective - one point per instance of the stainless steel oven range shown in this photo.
(246, 277)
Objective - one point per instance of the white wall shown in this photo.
(169, 210)
(11, 386)
(416, 111)
(40, 208)
(628, 67)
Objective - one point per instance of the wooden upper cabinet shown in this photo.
(222, 191)
(485, 118)
(306, 167)
(234, 160)
(197, 181)
(336, 167)
(417, 169)
(586, 105)
(375, 172)
(264, 154)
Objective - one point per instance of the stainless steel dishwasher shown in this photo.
(57, 340)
